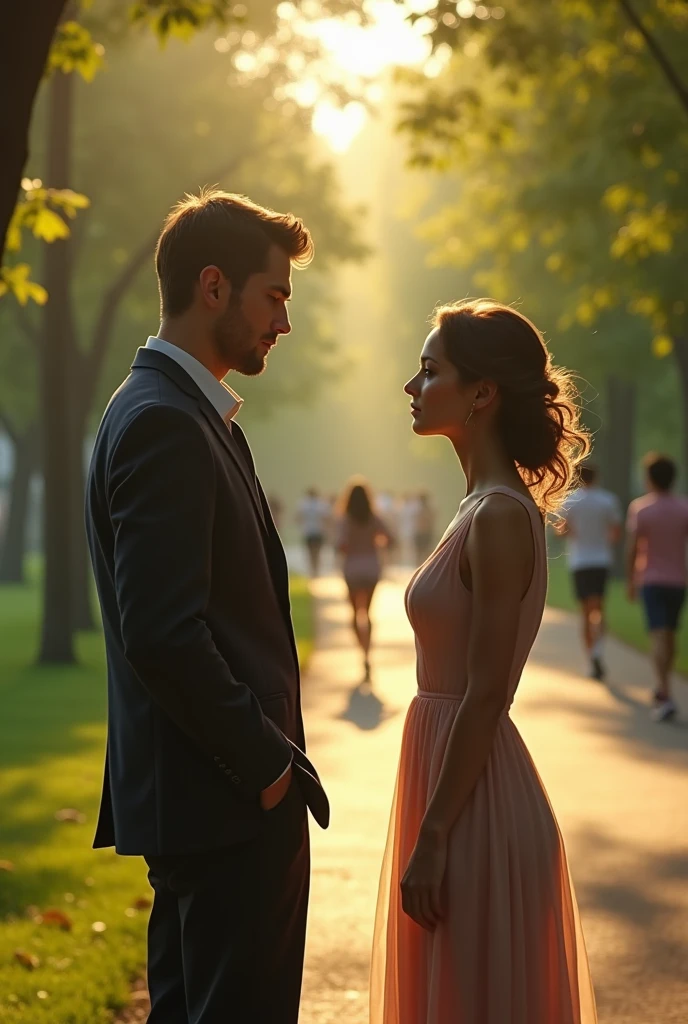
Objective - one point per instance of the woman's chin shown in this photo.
(417, 427)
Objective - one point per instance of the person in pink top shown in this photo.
(657, 528)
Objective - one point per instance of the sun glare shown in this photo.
(365, 53)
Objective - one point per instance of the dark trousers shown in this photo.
(227, 930)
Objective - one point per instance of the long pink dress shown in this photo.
(509, 949)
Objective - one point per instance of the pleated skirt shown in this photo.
(509, 949)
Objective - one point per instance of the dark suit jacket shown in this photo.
(203, 677)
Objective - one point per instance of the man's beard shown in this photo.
(234, 341)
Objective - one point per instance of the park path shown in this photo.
(618, 782)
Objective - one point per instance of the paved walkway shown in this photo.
(618, 782)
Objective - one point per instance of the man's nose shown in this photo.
(282, 325)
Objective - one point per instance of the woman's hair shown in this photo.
(357, 501)
(539, 415)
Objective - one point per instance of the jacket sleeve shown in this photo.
(161, 495)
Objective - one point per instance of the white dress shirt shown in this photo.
(219, 394)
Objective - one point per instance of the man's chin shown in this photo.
(253, 367)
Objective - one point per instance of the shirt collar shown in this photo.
(220, 395)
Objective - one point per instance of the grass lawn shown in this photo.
(52, 735)
(624, 620)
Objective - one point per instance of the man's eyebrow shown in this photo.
(282, 289)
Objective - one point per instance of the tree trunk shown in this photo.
(56, 364)
(13, 549)
(24, 45)
(618, 448)
(82, 610)
(681, 356)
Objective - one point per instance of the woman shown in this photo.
(477, 921)
(360, 537)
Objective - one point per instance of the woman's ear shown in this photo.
(485, 394)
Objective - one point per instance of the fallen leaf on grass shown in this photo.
(6, 865)
(60, 963)
(142, 903)
(27, 960)
(70, 814)
(55, 918)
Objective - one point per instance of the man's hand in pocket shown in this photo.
(275, 794)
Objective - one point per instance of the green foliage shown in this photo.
(52, 740)
(569, 157)
(74, 49)
(16, 280)
(168, 18)
(42, 212)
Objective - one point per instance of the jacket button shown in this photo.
(216, 760)
(236, 780)
(228, 771)
(223, 766)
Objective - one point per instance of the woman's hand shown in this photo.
(421, 886)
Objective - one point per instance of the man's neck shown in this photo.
(177, 331)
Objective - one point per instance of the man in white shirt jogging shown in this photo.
(591, 521)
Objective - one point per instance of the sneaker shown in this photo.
(597, 670)
(664, 711)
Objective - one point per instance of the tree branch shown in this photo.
(670, 72)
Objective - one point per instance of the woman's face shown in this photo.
(440, 402)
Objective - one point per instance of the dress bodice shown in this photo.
(439, 607)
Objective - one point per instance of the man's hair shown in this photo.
(223, 230)
(588, 474)
(661, 470)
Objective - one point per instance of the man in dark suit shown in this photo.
(205, 774)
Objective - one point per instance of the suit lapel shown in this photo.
(150, 359)
(230, 444)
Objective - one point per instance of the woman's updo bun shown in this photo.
(539, 415)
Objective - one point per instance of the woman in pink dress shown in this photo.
(477, 920)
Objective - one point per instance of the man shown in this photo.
(657, 530)
(205, 775)
(314, 518)
(591, 520)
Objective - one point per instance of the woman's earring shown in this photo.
(469, 415)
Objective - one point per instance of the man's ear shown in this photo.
(214, 287)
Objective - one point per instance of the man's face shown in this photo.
(253, 320)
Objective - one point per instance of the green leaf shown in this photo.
(74, 49)
(49, 226)
(16, 281)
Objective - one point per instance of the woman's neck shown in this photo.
(486, 464)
